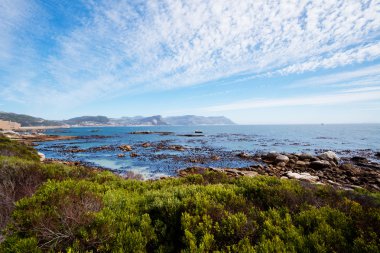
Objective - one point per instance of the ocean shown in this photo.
(171, 148)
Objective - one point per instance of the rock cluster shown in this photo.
(325, 168)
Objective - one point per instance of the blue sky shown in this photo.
(256, 62)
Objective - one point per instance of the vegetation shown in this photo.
(52, 207)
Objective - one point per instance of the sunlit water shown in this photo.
(224, 141)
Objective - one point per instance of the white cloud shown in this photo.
(326, 99)
(126, 46)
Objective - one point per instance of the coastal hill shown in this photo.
(83, 120)
(29, 121)
(156, 120)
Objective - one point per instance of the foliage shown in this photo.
(12, 148)
(72, 209)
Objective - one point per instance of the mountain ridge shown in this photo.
(155, 120)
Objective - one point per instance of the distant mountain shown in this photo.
(139, 120)
(88, 120)
(27, 121)
(176, 120)
(198, 120)
(157, 120)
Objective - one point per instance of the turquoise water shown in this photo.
(222, 141)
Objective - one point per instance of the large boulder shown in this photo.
(302, 176)
(329, 156)
(271, 156)
(282, 159)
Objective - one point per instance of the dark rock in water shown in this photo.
(377, 154)
(150, 132)
(133, 155)
(359, 159)
(145, 145)
(215, 158)
(125, 148)
(76, 150)
(318, 165)
(176, 148)
(120, 155)
(191, 135)
(141, 132)
(198, 132)
(243, 155)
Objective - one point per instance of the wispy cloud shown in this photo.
(326, 99)
(362, 76)
(126, 46)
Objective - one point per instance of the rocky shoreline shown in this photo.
(326, 168)
(348, 171)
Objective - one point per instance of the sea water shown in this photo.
(222, 141)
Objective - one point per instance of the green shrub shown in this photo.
(13, 148)
(61, 208)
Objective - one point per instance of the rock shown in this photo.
(215, 158)
(177, 148)
(305, 156)
(145, 145)
(281, 164)
(133, 155)
(359, 159)
(243, 155)
(250, 173)
(42, 156)
(300, 164)
(329, 156)
(320, 165)
(120, 155)
(302, 176)
(377, 154)
(282, 159)
(125, 148)
(76, 150)
(354, 179)
(271, 156)
(333, 183)
(349, 169)
(198, 132)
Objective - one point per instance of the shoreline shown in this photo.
(346, 172)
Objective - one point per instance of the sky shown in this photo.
(255, 62)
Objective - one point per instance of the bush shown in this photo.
(60, 208)
(13, 148)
